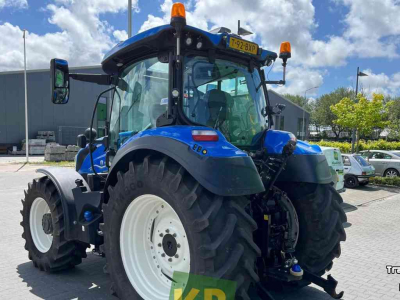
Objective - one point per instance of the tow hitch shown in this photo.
(329, 285)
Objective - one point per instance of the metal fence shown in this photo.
(67, 134)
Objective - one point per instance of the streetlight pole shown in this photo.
(129, 18)
(353, 134)
(26, 103)
(305, 99)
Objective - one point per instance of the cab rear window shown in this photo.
(361, 160)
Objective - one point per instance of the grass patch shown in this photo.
(54, 163)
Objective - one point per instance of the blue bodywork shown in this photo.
(275, 140)
(99, 161)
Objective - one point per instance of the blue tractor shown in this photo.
(189, 177)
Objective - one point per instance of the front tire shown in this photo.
(46, 245)
(218, 231)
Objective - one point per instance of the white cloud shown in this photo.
(372, 29)
(371, 25)
(378, 83)
(14, 3)
(120, 35)
(83, 38)
(299, 79)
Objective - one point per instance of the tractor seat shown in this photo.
(218, 102)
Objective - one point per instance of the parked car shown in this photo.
(357, 171)
(335, 162)
(396, 152)
(386, 163)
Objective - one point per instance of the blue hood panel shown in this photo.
(275, 140)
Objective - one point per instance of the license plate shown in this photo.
(243, 46)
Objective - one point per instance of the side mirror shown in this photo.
(281, 108)
(59, 74)
(81, 141)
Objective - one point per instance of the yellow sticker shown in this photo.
(266, 218)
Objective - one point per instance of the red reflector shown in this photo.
(204, 135)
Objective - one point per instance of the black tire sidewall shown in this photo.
(131, 190)
(31, 197)
(351, 185)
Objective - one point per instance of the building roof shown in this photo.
(279, 95)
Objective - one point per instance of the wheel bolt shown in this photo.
(163, 255)
(176, 256)
(170, 259)
(161, 235)
(179, 245)
(167, 231)
(159, 245)
(174, 235)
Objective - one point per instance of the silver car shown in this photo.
(386, 163)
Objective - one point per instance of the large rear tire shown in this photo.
(49, 250)
(321, 221)
(217, 231)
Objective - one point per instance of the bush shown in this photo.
(345, 147)
(390, 181)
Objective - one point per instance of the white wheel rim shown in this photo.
(41, 240)
(391, 174)
(145, 262)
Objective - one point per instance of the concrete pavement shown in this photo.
(373, 241)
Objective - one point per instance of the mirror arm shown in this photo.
(100, 79)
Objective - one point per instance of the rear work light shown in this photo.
(204, 135)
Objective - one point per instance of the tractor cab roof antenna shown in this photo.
(242, 31)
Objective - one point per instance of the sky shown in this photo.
(330, 38)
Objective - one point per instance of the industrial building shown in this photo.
(67, 121)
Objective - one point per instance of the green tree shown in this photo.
(362, 115)
(394, 117)
(323, 114)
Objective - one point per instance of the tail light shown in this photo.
(364, 173)
(205, 135)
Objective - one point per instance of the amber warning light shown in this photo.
(178, 11)
(285, 51)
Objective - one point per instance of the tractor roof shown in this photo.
(161, 38)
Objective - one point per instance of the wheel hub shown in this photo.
(40, 224)
(47, 224)
(170, 245)
(163, 248)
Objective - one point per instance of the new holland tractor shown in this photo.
(190, 177)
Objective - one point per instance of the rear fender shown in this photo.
(75, 200)
(307, 164)
(218, 166)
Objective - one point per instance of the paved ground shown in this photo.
(373, 242)
(5, 159)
